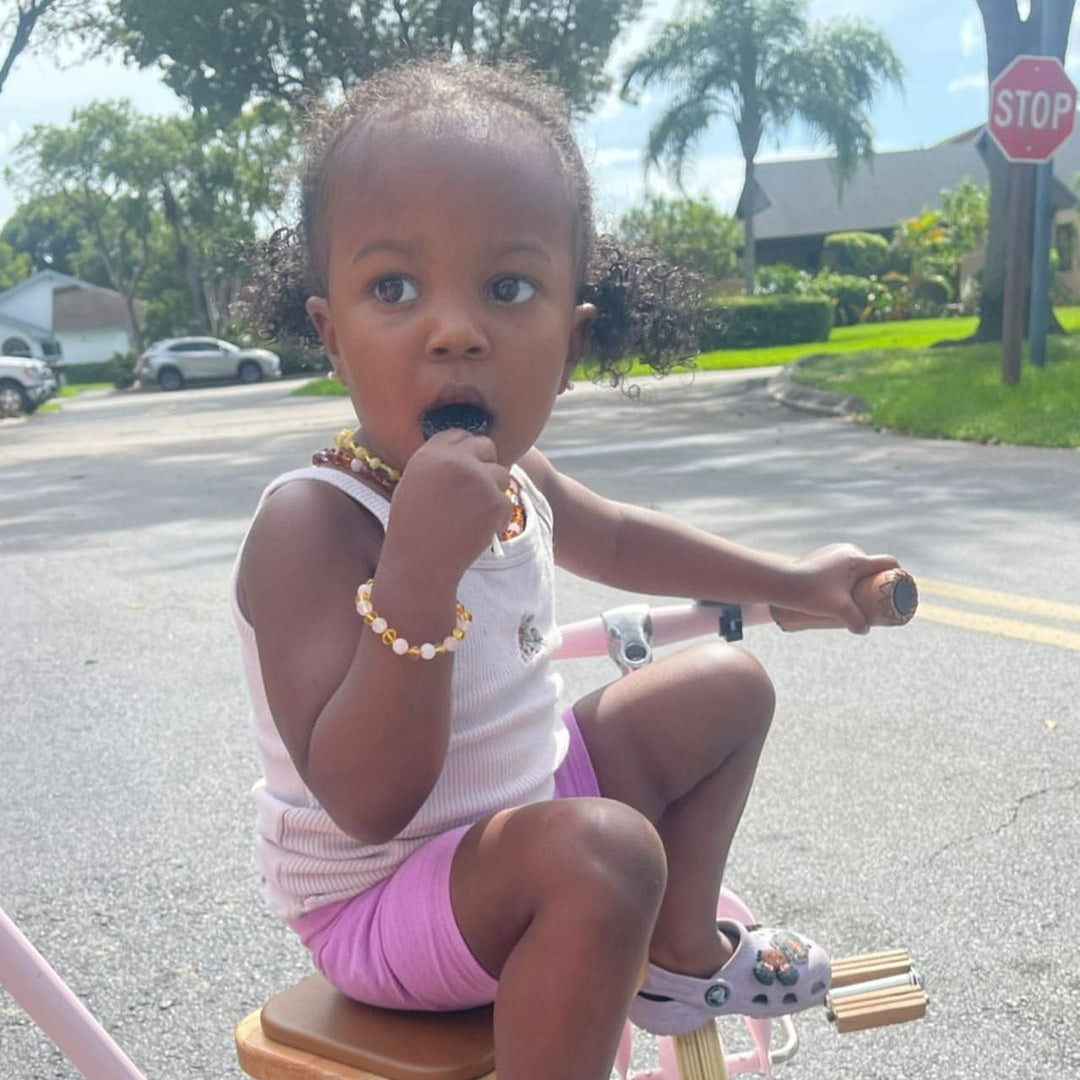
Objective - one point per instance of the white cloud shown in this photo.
(608, 108)
(972, 36)
(1072, 58)
(620, 182)
(879, 13)
(975, 81)
(11, 131)
(615, 157)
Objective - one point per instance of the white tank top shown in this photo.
(507, 736)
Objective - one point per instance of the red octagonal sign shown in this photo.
(1032, 108)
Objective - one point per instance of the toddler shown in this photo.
(437, 833)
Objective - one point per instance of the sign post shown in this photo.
(1032, 112)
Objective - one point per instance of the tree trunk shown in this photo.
(1007, 36)
(992, 300)
(749, 243)
(185, 259)
(24, 28)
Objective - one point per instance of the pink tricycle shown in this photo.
(311, 1032)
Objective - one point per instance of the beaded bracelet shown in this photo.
(391, 637)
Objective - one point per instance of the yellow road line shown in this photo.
(993, 624)
(1026, 605)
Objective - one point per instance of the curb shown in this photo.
(783, 389)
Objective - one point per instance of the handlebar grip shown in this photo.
(888, 598)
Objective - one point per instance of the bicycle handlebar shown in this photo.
(885, 599)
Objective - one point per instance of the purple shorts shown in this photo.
(397, 944)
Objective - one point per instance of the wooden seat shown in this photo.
(312, 1032)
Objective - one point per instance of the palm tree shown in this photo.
(760, 63)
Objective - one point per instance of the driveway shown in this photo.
(920, 786)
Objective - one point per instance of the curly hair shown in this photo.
(646, 308)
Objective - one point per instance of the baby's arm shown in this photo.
(641, 550)
(367, 729)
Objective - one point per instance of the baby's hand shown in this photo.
(828, 576)
(450, 501)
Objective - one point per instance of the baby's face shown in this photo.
(451, 286)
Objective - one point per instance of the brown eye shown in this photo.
(394, 289)
(512, 290)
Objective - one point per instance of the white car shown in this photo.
(24, 384)
(175, 361)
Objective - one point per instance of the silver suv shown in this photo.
(24, 384)
(175, 361)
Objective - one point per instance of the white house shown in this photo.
(63, 319)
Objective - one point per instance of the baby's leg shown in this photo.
(679, 741)
(558, 900)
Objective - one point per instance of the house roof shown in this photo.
(87, 307)
(43, 333)
(76, 304)
(47, 275)
(800, 198)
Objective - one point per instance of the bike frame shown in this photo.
(628, 635)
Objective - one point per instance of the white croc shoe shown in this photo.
(771, 973)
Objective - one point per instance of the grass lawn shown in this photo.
(952, 393)
(910, 334)
(70, 390)
(958, 393)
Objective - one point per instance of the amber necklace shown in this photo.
(348, 454)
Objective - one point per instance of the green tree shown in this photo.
(932, 261)
(966, 211)
(47, 231)
(15, 266)
(760, 63)
(220, 57)
(104, 165)
(688, 232)
(218, 187)
(133, 200)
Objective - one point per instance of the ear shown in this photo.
(582, 314)
(318, 309)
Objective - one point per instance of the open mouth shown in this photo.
(474, 419)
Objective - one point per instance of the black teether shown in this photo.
(471, 418)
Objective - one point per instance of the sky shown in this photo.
(940, 42)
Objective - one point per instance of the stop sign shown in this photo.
(1032, 108)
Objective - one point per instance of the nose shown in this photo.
(456, 331)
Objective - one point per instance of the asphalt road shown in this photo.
(920, 786)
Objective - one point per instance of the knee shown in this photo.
(606, 865)
(740, 681)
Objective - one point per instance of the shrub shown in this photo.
(760, 321)
(120, 371)
(783, 279)
(123, 370)
(854, 298)
(858, 253)
(297, 358)
(300, 359)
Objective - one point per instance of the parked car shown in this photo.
(24, 384)
(175, 361)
